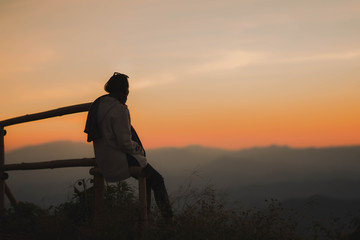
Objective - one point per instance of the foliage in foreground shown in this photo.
(201, 215)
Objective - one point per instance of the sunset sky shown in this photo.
(225, 73)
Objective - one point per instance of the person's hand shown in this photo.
(140, 150)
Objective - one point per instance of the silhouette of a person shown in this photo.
(116, 143)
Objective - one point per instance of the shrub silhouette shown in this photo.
(201, 214)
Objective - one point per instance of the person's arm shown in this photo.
(122, 130)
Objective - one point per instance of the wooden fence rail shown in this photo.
(48, 114)
(83, 162)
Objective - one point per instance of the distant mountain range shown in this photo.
(248, 176)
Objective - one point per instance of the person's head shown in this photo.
(118, 84)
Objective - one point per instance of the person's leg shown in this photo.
(155, 182)
(132, 162)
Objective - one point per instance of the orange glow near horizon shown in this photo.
(306, 128)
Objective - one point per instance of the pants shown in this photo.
(155, 182)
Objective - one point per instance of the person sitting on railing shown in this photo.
(116, 143)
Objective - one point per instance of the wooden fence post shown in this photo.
(2, 177)
(99, 190)
(142, 199)
(139, 173)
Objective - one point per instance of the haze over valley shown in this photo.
(247, 177)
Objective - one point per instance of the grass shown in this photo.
(200, 214)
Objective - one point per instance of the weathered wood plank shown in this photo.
(99, 191)
(2, 179)
(10, 195)
(48, 114)
(83, 162)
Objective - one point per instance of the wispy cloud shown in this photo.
(331, 56)
(240, 58)
(153, 81)
(230, 60)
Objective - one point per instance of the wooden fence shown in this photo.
(84, 162)
(4, 189)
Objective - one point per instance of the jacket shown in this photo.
(113, 120)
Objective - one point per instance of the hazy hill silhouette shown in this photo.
(249, 175)
(284, 172)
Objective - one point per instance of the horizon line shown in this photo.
(195, 145)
